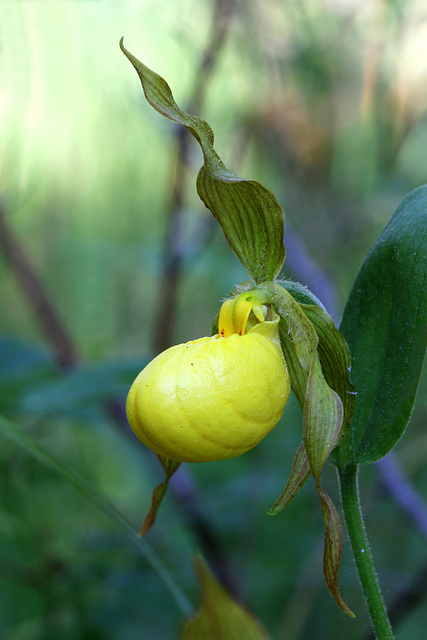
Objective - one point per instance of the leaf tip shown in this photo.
(344, 608)
(127, 53)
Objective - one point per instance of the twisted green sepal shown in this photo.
(249, 214)
(169, 467)
(318, 365)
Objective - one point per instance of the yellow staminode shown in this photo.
(213, 398)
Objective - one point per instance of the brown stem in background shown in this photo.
(57, 335)
(165, 314)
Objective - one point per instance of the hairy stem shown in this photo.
(362, 553)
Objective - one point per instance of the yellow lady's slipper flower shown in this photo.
(213, 398)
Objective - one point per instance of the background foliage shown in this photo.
(325, 104)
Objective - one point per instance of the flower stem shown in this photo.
(362, 553)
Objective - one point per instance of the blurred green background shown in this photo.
(325, 103)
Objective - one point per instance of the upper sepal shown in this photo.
(249, 214)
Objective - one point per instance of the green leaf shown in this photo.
(220, 617)
(249, 214)
(384, 323)
(11, 431)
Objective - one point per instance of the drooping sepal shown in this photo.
(323, 411)
(300, 473)
(333, 548)
(169, 467)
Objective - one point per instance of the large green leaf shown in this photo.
(220, 617)
(384, 323)
(249, 214)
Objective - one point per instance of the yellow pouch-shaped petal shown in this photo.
(212, 398)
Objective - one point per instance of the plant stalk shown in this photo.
(362, 553)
